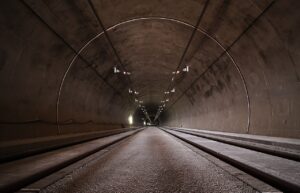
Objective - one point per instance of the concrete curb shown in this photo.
(17, 174)
(19, 150)
(269, 149)
(275, 180)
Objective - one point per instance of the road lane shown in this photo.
(150, 161)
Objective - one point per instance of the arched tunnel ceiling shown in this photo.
(228, 55)
(150, 38)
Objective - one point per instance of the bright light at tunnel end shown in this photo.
(130, 120)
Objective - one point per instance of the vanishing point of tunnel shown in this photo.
(150, 96)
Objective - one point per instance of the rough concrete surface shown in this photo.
(151, 161)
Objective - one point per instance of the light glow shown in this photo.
(130, 120)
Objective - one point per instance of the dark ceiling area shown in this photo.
(88, 65)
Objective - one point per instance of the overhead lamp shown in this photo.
(126, 73)
(116, 70)
(130, 91)
(135, 92)
(167, 92)
(167, 100)
(176, 72)
(173, 90)
(186, 69)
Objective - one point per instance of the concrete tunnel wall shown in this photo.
(252, 88)
(34, 62)
(257, 90)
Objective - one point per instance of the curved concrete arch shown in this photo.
(155, 18)
(243, 78)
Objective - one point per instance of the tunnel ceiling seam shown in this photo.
(108, 38)
(235, 64)
(185, 51)
(77, 54)
(130, 85)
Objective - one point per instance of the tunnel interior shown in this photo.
(88, 65)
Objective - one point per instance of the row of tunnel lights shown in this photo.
(140, 102)
(163, 102)
(134, 92)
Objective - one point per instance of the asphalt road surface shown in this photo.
(150, 161)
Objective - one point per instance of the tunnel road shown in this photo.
(150, 161)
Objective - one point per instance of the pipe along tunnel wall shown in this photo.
(56, 65)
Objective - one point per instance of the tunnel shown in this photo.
(70, 70)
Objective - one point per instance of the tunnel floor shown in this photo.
(150, 161)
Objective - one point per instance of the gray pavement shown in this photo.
(150, 161)
(280, 171)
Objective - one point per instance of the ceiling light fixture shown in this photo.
(126, 73)
(186, 69)
(116, 70)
